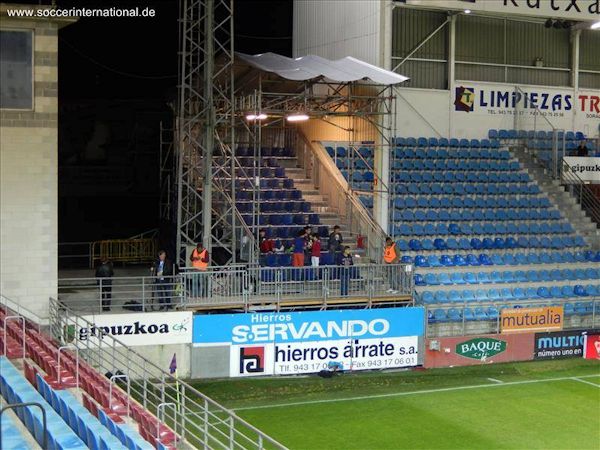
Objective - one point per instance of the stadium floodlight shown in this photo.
(298, 117)
(261, 116)
(595, 26)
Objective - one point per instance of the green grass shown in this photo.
(315, 413)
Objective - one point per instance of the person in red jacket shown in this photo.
(315, 250)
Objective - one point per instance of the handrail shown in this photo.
(152, 386)
(586, 198)
(27, 405)
(354, 209)
(22, 311)
(152, 234)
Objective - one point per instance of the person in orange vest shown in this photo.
(200, 259)
(390, 256)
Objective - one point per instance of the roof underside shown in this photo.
(309, 67)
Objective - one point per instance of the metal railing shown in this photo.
(197, 420)
(241, 287)
(125, 250)
(464, 326)
(44, 443)
(581, 191)
(332, 185)
(75, 254)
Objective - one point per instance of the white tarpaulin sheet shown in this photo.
(586, 168)
(308, 67)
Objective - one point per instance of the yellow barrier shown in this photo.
(125, 250)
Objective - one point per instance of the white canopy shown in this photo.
(308, 67)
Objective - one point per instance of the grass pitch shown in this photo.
(533, 405)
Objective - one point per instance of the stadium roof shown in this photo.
(309, 67)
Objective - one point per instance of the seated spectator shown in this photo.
(266, 245)
(582, 149)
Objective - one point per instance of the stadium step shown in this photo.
(561, 198)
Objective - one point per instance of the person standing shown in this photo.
(163, 271)
(298, 255)
(390, 257)
(345, 260)
(104, 274)
(200, 260)
(315, 250)
(335, 242)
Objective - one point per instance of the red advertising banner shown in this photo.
(479, 349)
(592, 346)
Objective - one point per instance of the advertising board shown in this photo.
(586, 169)
(136, 329)
(561, 344)
(516, 320)
(481, 349)
(592, 346)
(306, 342)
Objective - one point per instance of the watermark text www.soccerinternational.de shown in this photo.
(81, 12)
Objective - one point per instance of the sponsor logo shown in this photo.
(532, 319)
(464, 99)
(252, 360)
(480, 348)
(564, 344)
(309, 330)
(132, 329)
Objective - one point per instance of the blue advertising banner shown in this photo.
(306, 342)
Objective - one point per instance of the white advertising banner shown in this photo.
(158, 328)
(585, 168)
(586, 10)
(310, 357)
(308, 342)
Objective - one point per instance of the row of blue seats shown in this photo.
(508, 294)
(361, 186)
(95, 431)
(12, 438)
(441, 154)
(492, 313)
(438, 176)
(443, 229)
(490, 243)
(367, 201)
(280, 152)
(309, 274)
(284, 219)
(249, 163)
(359, 176)
(474, 215)
(275, 206)
(357, 164)
(491, 188)
(16, 389)
(271, 194)
(533, 134)
(265, 183)
(443, 142)
(290, 232)
(285, 259)
(548, 145)
(502, 259)
(342, 152)
(455, 164)
(471, 202)
(519, 276)
(81, 421)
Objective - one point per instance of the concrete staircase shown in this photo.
(319, 203)
(560, 197)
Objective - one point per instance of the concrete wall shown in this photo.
(28, 178)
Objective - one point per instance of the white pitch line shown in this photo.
(495, 381)
(401, 394)
(586, 382)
